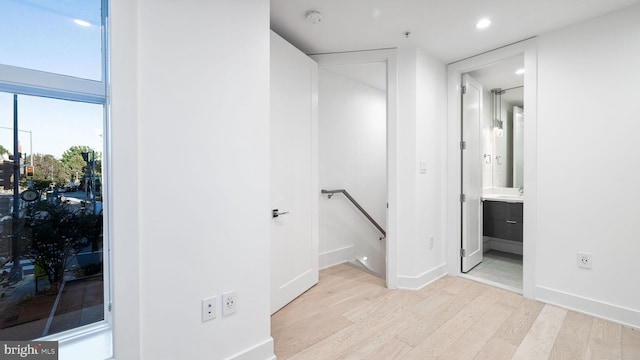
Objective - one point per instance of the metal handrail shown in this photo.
(363, 211)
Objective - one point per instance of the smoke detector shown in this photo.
(314, 17)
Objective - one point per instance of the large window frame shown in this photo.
(93, 341)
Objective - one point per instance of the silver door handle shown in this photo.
(511, 222)
(275, 213)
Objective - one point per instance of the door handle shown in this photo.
(275, 213)
(511, 222)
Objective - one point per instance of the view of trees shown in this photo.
(54, 232)
(72, 159)
(48, 169)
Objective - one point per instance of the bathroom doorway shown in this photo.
(454, 220)
(492, 171)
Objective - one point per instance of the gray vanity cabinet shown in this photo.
(502, 220)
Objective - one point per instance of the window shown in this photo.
(56, 36)
(53, 205)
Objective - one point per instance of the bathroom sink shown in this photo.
(503, 197)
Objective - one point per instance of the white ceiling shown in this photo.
(445, 28)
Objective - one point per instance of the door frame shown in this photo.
(387, 56)
(454, 172)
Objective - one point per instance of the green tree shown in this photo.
(48, 169)
(57, 232)
(72, 159)
(3, 150)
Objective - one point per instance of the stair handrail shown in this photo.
(344, 192)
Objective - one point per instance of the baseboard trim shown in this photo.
(337, 256)
(595, 308)
(261, 351)
(422, 280)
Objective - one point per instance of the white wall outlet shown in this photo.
(229, 303)
(208, 309)
(430, 242)
(584, 260)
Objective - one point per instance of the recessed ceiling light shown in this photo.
(483, 23)
(81, 22)
(519, 71)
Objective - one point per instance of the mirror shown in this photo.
(502, 122)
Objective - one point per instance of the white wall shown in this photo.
(352, 147)
(191, 130)
(124, 177)
(588, 172)
(421, 137)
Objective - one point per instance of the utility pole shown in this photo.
(16, 270)
(89, 178)
(93, 182)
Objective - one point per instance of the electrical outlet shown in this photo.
(208, 309)
(229, 303)
(584, 260)
(431, 242)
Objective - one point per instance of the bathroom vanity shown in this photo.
(502, 219)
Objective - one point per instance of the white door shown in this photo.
(294, 178)
(471, 173)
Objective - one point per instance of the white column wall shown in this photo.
(588, 170)
(190, 83)
(421, 137)
(407, 164)
(124, 176)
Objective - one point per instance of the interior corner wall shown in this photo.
(421, 135)
(199, 103)
(588, 172)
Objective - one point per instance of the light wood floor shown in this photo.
(350, 315)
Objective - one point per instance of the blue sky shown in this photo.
(43, 35)
(55, 125)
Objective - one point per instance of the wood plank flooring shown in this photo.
(351, 315)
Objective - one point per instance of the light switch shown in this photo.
(423, 167)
